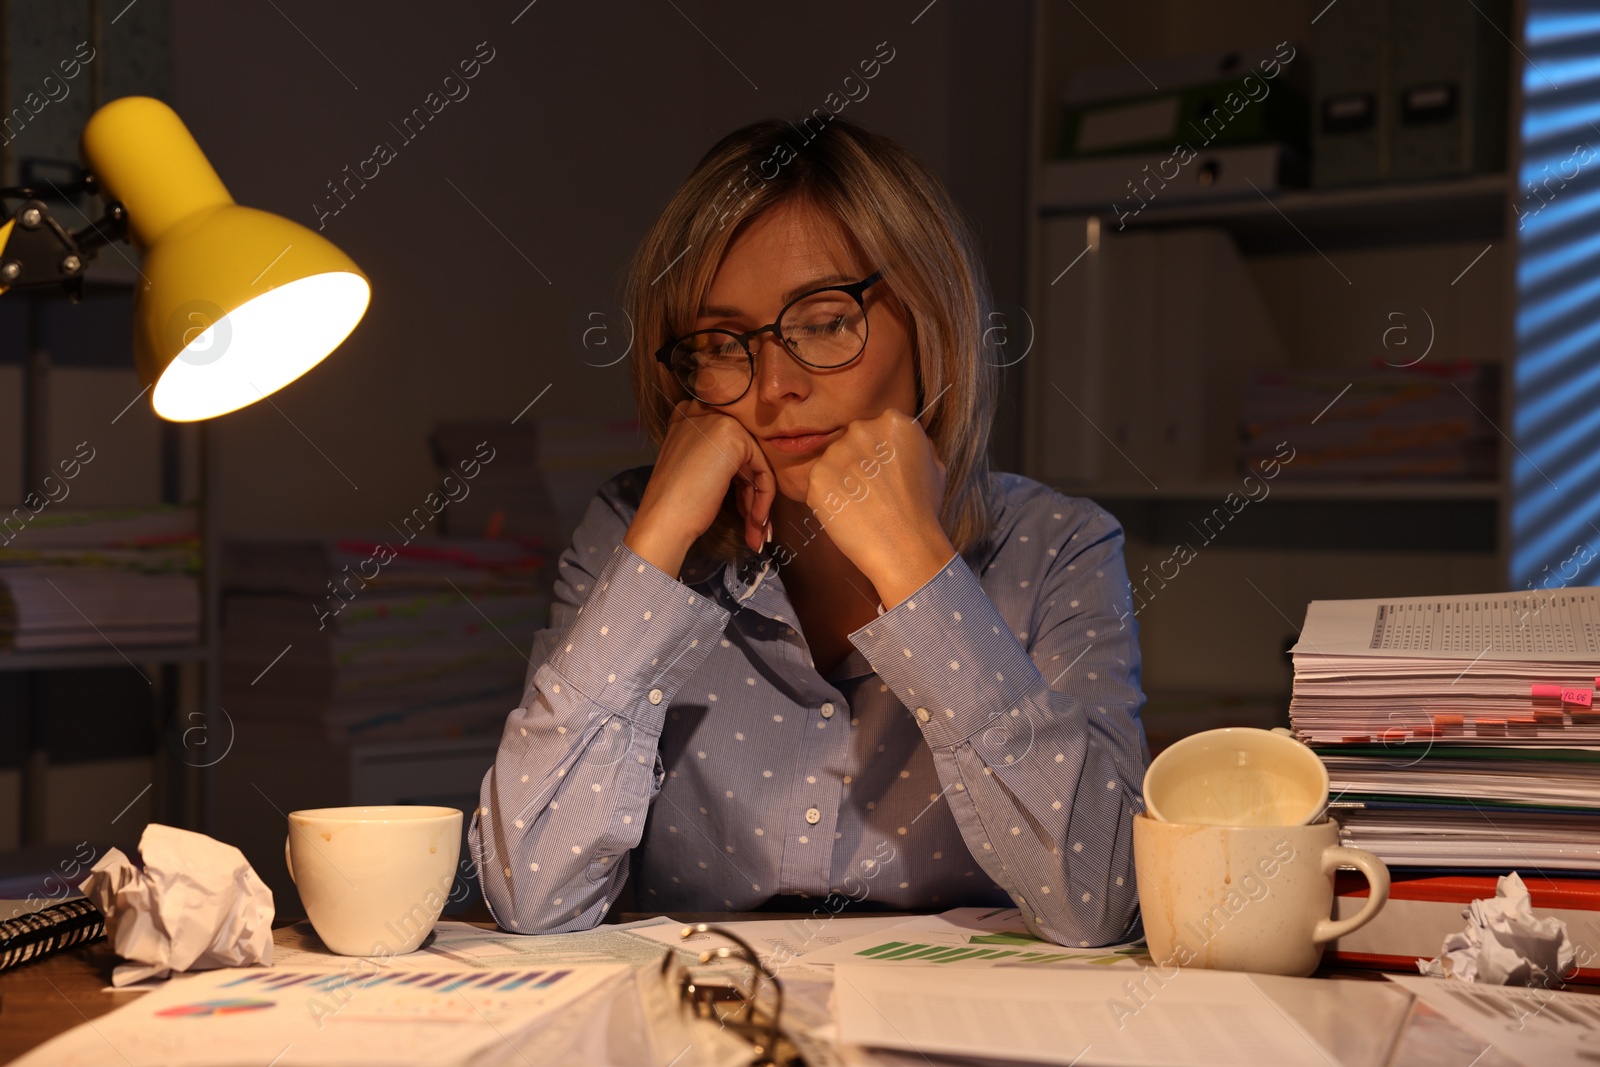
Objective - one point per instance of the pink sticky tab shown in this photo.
(1548, 692)
(1582, 697)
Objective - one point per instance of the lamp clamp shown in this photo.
(38, 251)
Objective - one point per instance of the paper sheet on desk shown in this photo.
(1197, 1019)
(254, 1016)
(1535, 1027)
(786, 946)
(457, 944)
(462, 945)
(970, 937)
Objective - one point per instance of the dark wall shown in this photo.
(492, 235)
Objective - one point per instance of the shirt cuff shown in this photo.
(949, 656)
(637, 638)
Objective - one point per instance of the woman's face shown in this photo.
(781, 253)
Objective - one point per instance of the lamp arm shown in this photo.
(36, 250)
(113, 226)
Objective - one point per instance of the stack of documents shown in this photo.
(356, 640)
(1424, 422)
(100, 579)
(1459, 732)
(534, 479)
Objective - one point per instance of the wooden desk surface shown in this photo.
(40, 1000)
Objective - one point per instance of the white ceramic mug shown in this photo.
(1246, 898)
(373, 880)
(1237, 776)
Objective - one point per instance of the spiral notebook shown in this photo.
(29, 931)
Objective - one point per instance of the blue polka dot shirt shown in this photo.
(981, 743)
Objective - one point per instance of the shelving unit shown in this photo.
(70, 659)
(178, 785)
(1303, 491)
(1414, 213)
(1220, 625)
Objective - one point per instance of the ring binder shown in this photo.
(738, 1010)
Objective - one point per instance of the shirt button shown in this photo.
(655, 696)
(813, 816)
(922, 713)
(827, 710)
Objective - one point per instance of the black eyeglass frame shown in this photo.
(856, 290)
(763, 1029)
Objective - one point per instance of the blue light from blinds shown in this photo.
(1555, 511)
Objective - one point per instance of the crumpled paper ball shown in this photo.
(197, 904)
(1505, 944)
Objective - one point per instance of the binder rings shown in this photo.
(49, 930)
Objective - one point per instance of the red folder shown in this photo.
(1423, 910)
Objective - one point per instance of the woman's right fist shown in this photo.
(704, 452)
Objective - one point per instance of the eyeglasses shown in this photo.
(756, 1019)
(824, 328)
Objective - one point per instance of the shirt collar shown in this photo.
(757, 585)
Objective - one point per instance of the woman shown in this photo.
(818, 649)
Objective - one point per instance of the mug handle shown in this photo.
(289, 863)
(1336, 856)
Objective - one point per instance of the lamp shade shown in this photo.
(234, 303)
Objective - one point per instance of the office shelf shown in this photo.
(73, 658)
(1114, 383)
(1488, 492)
(1298, 219)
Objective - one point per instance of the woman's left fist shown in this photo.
(878, 491)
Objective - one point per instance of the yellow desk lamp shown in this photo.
(233, 303)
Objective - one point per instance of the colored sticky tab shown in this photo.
(1582, 697)
(1550, 692)
(1443, 719)
(1550, 716)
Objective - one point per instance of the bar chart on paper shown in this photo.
(412, 995)
(971, 937)
(246, 1017)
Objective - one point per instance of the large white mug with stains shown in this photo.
(1245, 898)
(373, 880)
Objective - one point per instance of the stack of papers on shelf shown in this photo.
(101, 579)
(534, 479)
(1461, 731)
(1423, 422)
(162, 526)
(323, 637)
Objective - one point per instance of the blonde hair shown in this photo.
(898, 218)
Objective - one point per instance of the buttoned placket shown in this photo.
(766, 614)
